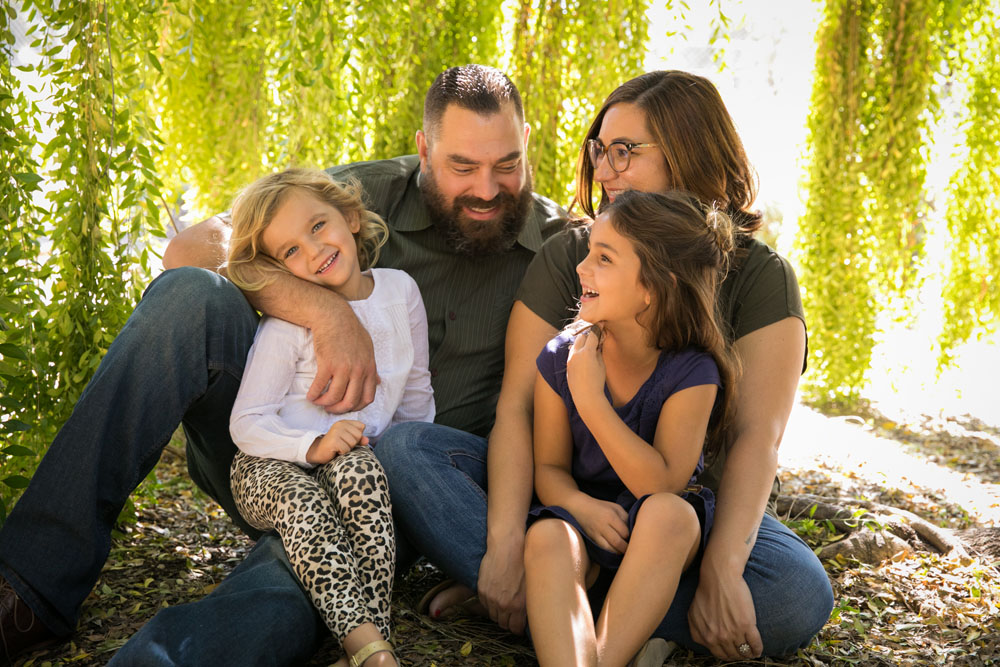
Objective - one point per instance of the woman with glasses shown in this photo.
(757, 589)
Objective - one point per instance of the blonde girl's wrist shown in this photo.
(313, 454)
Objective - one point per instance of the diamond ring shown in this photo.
(744, 649)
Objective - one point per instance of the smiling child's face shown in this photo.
(315, 242)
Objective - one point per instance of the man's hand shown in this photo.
(501, 585)
(342, 437)
(346, 376)
(722, 615)
(605, 523)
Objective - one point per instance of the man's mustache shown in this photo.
(476, 202)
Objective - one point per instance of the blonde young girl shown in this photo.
(301, 471)
(624, 400)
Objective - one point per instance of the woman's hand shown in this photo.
(605, 523)
(585, 372)
(342, 437)
(722, 616)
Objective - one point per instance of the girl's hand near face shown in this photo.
(604, 522)
(585, 372)
(342, 437)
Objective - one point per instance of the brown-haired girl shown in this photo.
(624, 400)
(300, 470)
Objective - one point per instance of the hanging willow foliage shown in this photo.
(96, 217)
(159, 105)
(22, 397)
(251, 87)
(861, 239)
(972, 287)
(568, 55)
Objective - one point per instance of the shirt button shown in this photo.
(434, 373)
(451, 315)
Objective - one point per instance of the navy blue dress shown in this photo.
(590, 468)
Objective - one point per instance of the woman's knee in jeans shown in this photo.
(791, 590)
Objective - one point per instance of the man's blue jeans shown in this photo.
(437, 479)
(179, 357)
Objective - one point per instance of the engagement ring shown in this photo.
(744, 649)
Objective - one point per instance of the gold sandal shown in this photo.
(368, 650)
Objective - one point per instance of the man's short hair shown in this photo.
(484, 90)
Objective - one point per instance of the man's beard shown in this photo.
(476, 238)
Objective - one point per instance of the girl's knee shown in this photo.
(548, 536)
(670, 515)
(357, 473)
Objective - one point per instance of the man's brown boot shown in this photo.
(20, 630)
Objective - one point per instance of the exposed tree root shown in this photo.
(890, 530)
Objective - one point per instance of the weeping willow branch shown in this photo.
(972, 287)
(875, 102)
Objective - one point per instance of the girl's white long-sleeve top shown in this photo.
(271, 417)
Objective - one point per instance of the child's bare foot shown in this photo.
(449, 598)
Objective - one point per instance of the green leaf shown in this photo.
(15, 425)
(155, 62)
(9, 306)
(17, 450)
(27, 178)
(16, 481)
(12, 351)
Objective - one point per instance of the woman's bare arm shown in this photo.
(722, 614)
(509, 471)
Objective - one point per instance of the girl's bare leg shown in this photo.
(559, 615)
(663, 543)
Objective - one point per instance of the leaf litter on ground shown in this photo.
(919, 609)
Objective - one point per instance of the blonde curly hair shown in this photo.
(249, 267)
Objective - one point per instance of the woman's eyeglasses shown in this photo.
(619, 153)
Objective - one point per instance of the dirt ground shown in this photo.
(916, 609)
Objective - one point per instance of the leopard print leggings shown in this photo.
(335, 523)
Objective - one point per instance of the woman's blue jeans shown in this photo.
(437, 478)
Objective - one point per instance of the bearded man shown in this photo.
(463, 222)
